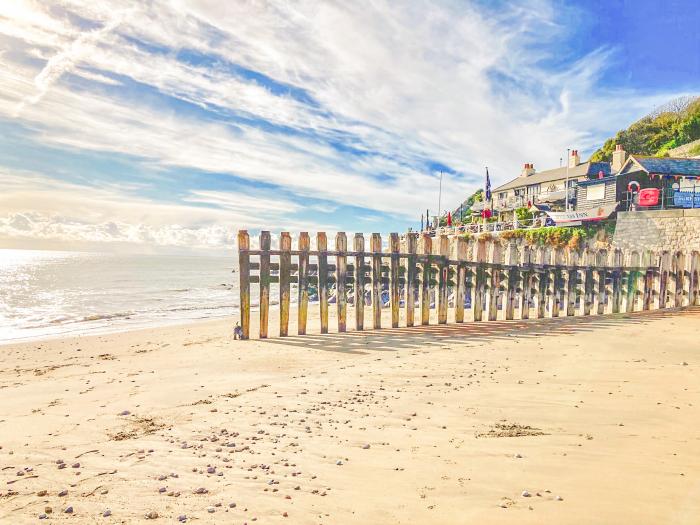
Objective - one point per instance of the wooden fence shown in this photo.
(455, 278)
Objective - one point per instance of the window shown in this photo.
(595, 192)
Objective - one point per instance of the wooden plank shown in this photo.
(426, 248)
(694, 299)
(542, 284)
(648, 290)
(285, 272)
(341, 298)
(411, 277)
(395, 249)
(265, 245)
(630, 280)
(571, 285)
(512, 279)
(304, 244)
(444, 268)
(461, 288)
(244, 281)
(679, 279)
(527, 282)
(322, 247)
(376, 248)
(601, 296)
(555, 286)
(662, 288)
(359, 247)
(480, 277)
(495, 281)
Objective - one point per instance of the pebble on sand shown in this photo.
(525, 494)
(152, 515)
(69, 510)
(107, 513)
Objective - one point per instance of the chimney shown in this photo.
(574, 159)
(528, 169)
(619, 157)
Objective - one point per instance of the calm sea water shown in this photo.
(49, 293)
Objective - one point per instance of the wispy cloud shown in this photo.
(327, 113)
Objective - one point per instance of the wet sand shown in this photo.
(585, 420)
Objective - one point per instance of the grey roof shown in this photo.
(663, 166)
(585, 169)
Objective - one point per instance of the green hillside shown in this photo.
(675, 124)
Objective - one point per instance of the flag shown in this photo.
(449, 218)
(487, 193)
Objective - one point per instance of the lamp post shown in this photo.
(566, 186)
(439, 212)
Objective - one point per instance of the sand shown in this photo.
(586, 420)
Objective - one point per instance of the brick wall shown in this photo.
(658, 230)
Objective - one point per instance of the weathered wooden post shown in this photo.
(395, 295)
(479, 280)
(588, 281)
(648, 262)
(285, 273)
(244, 281)
(426, 250)
(359, 247)
(376, 248)
(512, 279)
(694, 298)
(616, 280)
(664, 268)
(631, 274)
(411, 277)
(555, 284)
(542, 282)
(679, 279)
(304, 243)
(444, 268)
(601, 267)
(495, 284)
(528, 278)
(341, 269)
(265, 245)
(572, 283)
(461, 288)
(322, 247)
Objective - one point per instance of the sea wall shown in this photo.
(658, 230)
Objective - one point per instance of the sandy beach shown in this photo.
(583, 420)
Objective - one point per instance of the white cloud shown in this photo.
(450, 82)
(73, 215)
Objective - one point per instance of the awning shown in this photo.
(552, 196)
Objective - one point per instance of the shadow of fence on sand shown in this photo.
(416, 337)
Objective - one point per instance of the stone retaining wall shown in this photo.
(658, 230)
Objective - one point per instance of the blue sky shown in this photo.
(161, 125)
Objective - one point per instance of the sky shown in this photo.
(169, 125)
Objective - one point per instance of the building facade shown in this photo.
(549, 188)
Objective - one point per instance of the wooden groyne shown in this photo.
(453, 277)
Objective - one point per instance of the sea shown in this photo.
(47, 294)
